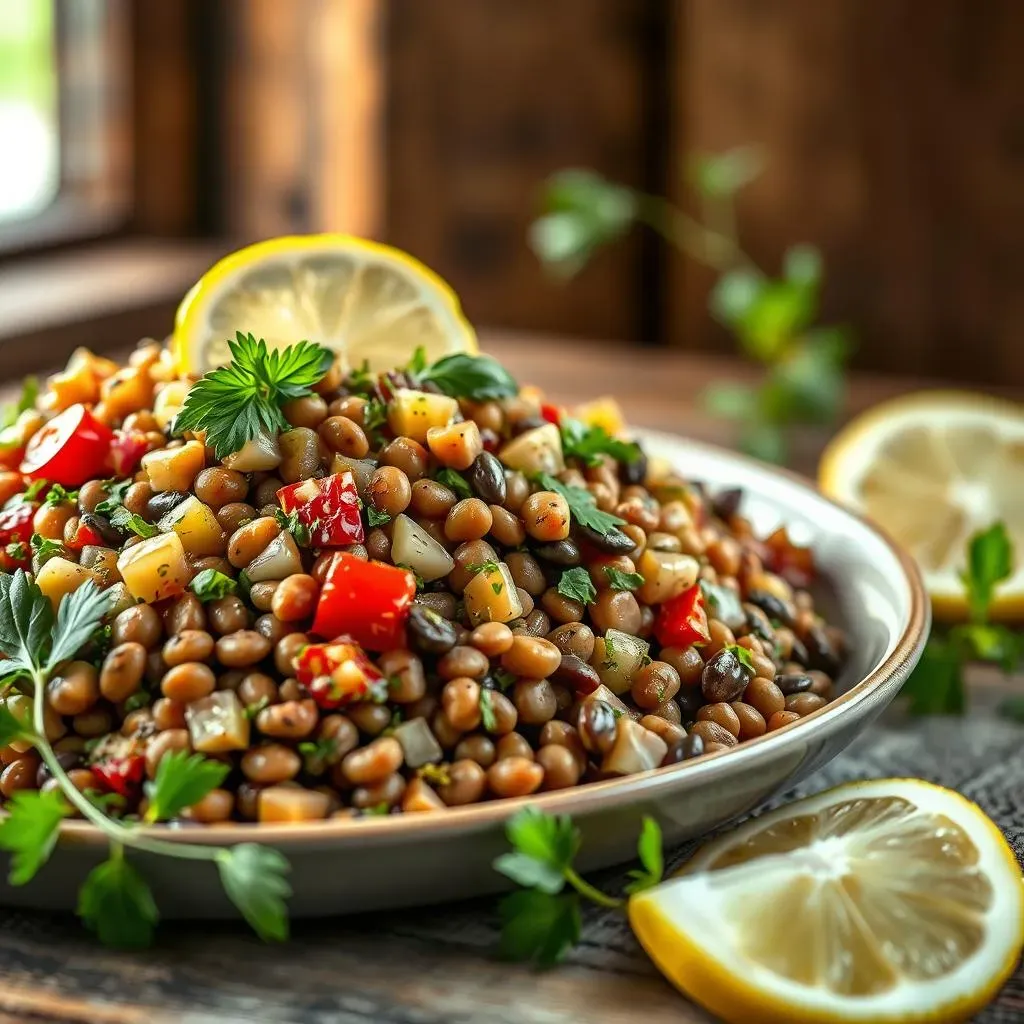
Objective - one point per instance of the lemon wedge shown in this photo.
(932, 469)
(364, 300)
(886, 901)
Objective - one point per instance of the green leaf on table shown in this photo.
(78, 618)
(802, 265)
(730, 401)
(582, 505)
(936, 686)
(115, 902)
(539, 927)
(808, 383)
(255, 880)
(182, 779)
(991, 642)
(476, 378)
(548, 840)
(530, 872)
(990, 560)
(29, 832)
(652, 858)
(577, 585)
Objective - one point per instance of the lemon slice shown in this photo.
(884, 901)
(932, 469)
(362, 299)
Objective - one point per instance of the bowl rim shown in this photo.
(608, 793)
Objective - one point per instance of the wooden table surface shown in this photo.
(413, 968)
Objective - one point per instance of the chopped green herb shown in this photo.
(619, 580)
(435, 774)
(497, 587)
(251, 711)
(582, 505)
(57, 495)
(211, 585)
(577, 585)
(122, 519)
(17, 550)
(479, 567)
(376, 518)
(116, 491)
(244, 583)
(487, 718)
(454, 481)
(589, 443)
(290, 522)
(473, 377)
(742, 655)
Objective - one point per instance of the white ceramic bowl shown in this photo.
(871, 587)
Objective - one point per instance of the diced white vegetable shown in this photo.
(194, 522)
(418, 743)
(636, 749)
(217, 723)
(411, 545)
(413, 413)
(60, 577)
(258, 455)
(284, 804)
(617, 656)
(456, 445)
(491, 596)
(603, 693)
(361, 470)
(535, 451)
(169, 402)
(666, 575)
(174, 469)
(155, 568)
(278, 560)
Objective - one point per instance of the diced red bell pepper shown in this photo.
(683, 620)
(329, 507)
(122, 775)
(85, 534)
(551, 413)
(792, 562)
(126, 451)
(339, 673)
(367, 601)
(69, 450)
(15, 530)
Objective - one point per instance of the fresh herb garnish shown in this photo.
(542, 922)
(114, 900)
(57, 495)
(724, 604)
(31, 493)
(211, 585)
(619, 580)
(589, 443)
(17, 551)
(582, 505)
(374, 517)
(116, 491)
(577, 585)
(487, 718)
(124, 520)
(473, 377)
(479, 567)
(435, 774)
(45, 548)
(454, 481)
(26, 400)
(290, 523)
(936, 686)
(497, 587)
(742, 655)
(241, 401)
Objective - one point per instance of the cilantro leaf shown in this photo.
(57, 495)
(989, 562)
(473, 377)
(582, 505)
(290, 522)
(487, 719)
(254, 878)
(77, 620)
(589, 443)
(241, 401)
(455, 481)
(548, 838)
(619, 580)
(26, 617)
(375, 517)
(211, 585)
(115, 902)
(116, 491)
(649, 851)
(182, 779)
(29, 832)
(577, 585)
(538, 926)
(125, 520)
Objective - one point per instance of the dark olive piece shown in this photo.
(724, 678)
(725, 504)
(429, 632)
(690, 701)
(821, 654)
(67, 759)
(683, 749)
(758, 623)
(794, 683)
(576, 674)
(562, 552)
(771, 606)
(102, 526)
(162, 503)
(528, 423)
(614, 542)
(597, 726)
(487, 478)
(799, 654)
(634, 472)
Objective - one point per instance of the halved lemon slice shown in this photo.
(932, 469)
(362, 299)
(886, 901)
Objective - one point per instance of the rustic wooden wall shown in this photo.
(894, 133)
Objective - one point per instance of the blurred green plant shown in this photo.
(772, 318)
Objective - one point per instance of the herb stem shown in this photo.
(712, 248)
(587, 891)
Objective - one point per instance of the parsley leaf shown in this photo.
(376, 518)
(290, 522)
(478, 567)
(254, 877)
(648, 849)
(742, 655)
(454, 481)
(487, 719)
(116, 491)
(724, 604)
(124, 520)
(57, 495)
(577, 585)
(29, 832)
(543, 848)
(989, 562)
(473, 377)
(211, 585)
(44, 548)
(241, 401)
(11, 726)
(79, 616)
(182, 779)
(115, 901)
(582, 505)
(26, 617)
(589, 443)
(539, 927)
(31, 493)
(619, 580)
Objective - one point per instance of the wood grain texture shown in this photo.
(894, 139)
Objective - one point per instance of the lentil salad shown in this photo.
(405, 591)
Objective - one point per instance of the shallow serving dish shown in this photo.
(874, 591)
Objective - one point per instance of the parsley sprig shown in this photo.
(937, 684)
(582, 505)
(542, 921)
(589, 443)
(577, 585)
(115, 900)
(241, 401)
